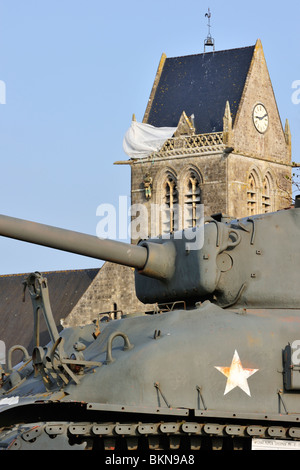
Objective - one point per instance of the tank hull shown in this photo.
(199, 366)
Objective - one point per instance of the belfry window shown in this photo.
(266, 195)
(170, 203)
(252, 195)
(192, 200)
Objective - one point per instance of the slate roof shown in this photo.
(16, 316)
(200, 84)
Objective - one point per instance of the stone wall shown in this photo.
(112, 290)
(239, 169)
(258, 89)
(261, 153)
(210, 166)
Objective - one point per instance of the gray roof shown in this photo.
(200, 84)
(16, 316)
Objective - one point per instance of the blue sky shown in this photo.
(75, 72)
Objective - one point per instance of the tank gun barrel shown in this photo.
(150, 259)
(73, 242)
(225, 263)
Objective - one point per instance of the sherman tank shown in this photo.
(214, 365)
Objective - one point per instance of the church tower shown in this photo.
(229, 152)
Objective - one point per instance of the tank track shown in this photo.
(186, 436)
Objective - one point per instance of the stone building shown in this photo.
(229, 154)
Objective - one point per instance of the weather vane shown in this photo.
(209, 41)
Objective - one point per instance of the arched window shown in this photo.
(252, 194)
(192, 200)
(267, 202)
(170, 204)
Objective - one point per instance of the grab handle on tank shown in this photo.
(26, 356)
(127, 345)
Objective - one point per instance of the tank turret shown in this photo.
(228, 261)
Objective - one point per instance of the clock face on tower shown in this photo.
(260, 118)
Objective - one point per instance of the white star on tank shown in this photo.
(236, 375)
